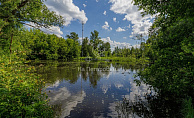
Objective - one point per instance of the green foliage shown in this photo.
(188, 109)
(172, 71)
(73, 36)
(20, 90)
(95, 40)
(15, 13)
(172, 9)
(74, 49)
(18, 12)
(63, 49)
(170, 46)
(34, 44)
(95, 47)
(85, 46)
(105, 47)
(92, 53)
(70, 71)
(138, 55)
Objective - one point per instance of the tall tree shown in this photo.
(15, 13)
(73, 36)
(95, 39)
(105, 47)
(171, 35)
(85, 45)
(63, 48)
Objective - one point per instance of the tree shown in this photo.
(15, 13)
(74, 49)
(116, 51)
(105, 47)
(95, 39)
(73, 36)
(172, 9)
(63, 48)
(171, 36)
(85, 45)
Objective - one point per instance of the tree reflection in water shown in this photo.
(90, 71)
(70, 71)
(151, 106)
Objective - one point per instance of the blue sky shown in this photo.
(117, 21)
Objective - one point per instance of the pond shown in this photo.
(99, 90)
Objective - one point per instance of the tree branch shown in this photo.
(20, 6)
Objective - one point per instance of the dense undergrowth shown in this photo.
(188, 110)
(21, 90)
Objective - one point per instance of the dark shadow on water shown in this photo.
(153, 106)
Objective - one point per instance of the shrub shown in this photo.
(20, 91)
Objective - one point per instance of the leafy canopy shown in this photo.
(171, 45)
(15, 13)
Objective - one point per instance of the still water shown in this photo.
(97, 90)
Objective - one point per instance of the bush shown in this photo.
(20, 91)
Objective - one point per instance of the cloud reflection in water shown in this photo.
(65, 99)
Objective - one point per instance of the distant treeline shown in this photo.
(35, 44)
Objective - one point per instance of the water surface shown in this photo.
(97, 90)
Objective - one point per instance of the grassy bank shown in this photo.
(21, 90)
(131, 60)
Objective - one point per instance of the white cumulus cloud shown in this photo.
(126, 7)
(114, 44)
(119, 29)
(114, 19)
(67, 9)
(104, 13)
(52, 30)
(84, 5)
(106, 26)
